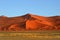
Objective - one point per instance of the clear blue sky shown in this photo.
(21, 7)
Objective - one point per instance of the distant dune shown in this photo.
(29, 22)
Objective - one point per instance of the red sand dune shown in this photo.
(29, 22)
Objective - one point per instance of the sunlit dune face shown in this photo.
(31, 25)
(37, 24)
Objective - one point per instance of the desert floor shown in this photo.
(30, 35)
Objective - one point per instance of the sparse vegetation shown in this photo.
(30, 35)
